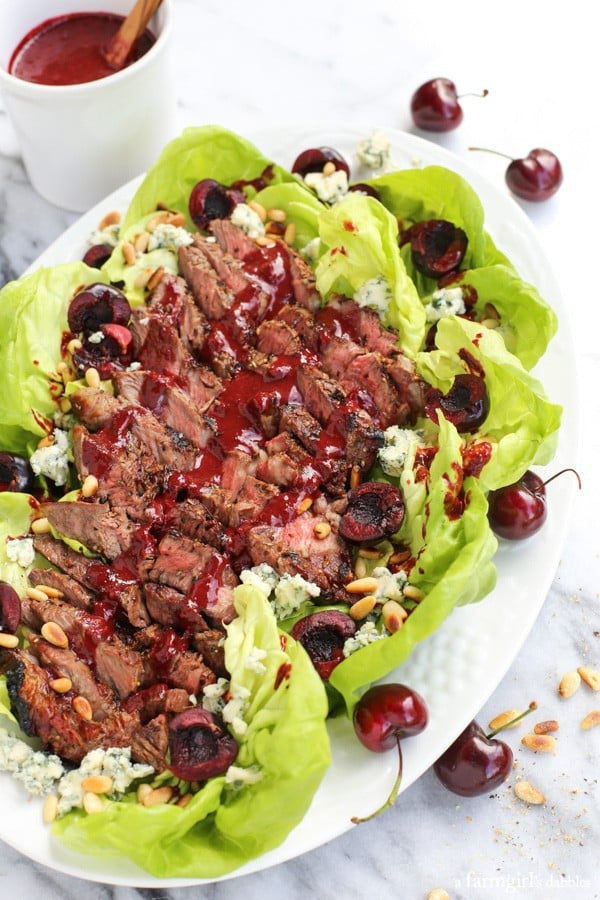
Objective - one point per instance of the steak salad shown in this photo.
(246, 450)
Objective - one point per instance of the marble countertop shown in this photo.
(259, 65)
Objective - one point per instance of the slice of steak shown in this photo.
(163, 603)
(180, 561)
(274, 336)
(364, 326)
(251, 500)
(150, 743)
(188, 671)
(64, 557)
(303, 280)
(363, 438)
(286, 463)
(72, 591)
(233, 240)
(209, 644)
(156, 699)
(168, 402)
(366, 373)
(410, 387)
(213, 296)
(297, 421)
(302, 322)
(193, 519)
(237, 466)
(295, 549)
(322, 394)
(171, 298)
(229, 269)
(138, 326)
(84, 630)
(95, 407)
(97, 526)
(119, 666)
(64, 663)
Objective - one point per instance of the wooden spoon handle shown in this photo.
(130, 32)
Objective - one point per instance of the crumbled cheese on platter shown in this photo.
(375, 294)
(168, 237)
(397, 444)
(38, 772)
(53, 460)
(21, 551)
(248, 220)
(328, 188)
(374, 151)
(445, 302)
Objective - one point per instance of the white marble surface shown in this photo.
(254, 65)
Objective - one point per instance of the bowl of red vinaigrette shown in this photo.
(82, 127)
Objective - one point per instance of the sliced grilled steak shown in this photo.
(210, 291)
(171, 297)
(302, 322)
(164, 603)
(363, 439)
(72, 591)
(97, 526)
(180, 561)
(159, 698)
(303, 280)
(286, 464)
(95, 407)
(322, 394)
(193, 519)
(119, 667)
(298, 422)
(150, 743)
(64, 663)
(273, 336)
(209, 644)
(61, 555)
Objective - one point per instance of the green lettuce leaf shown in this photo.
(15, 519)
(522, 423)
(451, 539)
(33, 320)
(224, 826)
(303, 208)
(361, 242)
(208, 151)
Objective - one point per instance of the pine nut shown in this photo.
(143, 791)
(141, 241)
(92, 377)
(50, 591)
(97, 784)
(370, 553)
(363, 586)
(592, 719)
(289, 235)
(263, 240)
(355, 477)
(411, 592)
(89, 486)
(65, 405)
(328, 168)
(277, 229)
(276, 215)
(528, 793)
(543, 742)
(8, 641)
(143, 278)
(46, 441)
(73, 345)
(111, 218)
(129, 254)
(53, 633)
(258, 209)
(362, 608)
(393, 616)
(546, 727)
(50, 808)
(502, 720)
(36, 594)
(438, 894)
(155, 278)
(184, 800)
(40, 526)
(176, 219)
(92, 803)
(158, 795)
(401, 556)
(322, 530)
(590, 676)
(82, 707)
(490, 312)
(360, 568)
(304, 505)
(61, 685)
(490, 323)
(569, 683)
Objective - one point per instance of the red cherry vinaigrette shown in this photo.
(69, 49)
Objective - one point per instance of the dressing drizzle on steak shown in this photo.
(249, 409)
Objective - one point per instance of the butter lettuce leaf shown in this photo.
(226, 825)
(522, 424)
(360, 239)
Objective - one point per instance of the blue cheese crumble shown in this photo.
(235, 708)
(390, 585)
(238, 776)
(21, 551)
(108, 236)
(445, 302)
(311, 251)
(397, 444)
(328, 188)
(53, 461)
(115, 763)
(286, 594)
(366, 634)
(248, 220)
(213, 696)
(168, 237)
(38, 772)
(374, 293)
(374, 151)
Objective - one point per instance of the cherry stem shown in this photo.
(562, 471)
(356, 820)
(483, 93)
(487, 150)
(530, 708)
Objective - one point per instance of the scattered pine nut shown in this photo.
(143, 790)
(592, 719)
(258, 209)
(401, 556)
(158, 795)
(263, 240)
(438, 894)
(542, 742)
(590, 676)
(92, 377)
(50, 591)
(82, 707)
(322, 530)
(92, 803)
(36, 594)
(155, 278)
(329, 168)
(370, 553)
(184, 800)
(501, 721)
(46, 441)
(362, 608)
(277, 229)
(363, 586)
(129, 254)
(8, 641)
(176, 219)
(289, 235)
(569, 683)
(546, 727)
(111, 218)
(53, 633)
(304, 505)
(141, 241)
(40, 526)
(73, 345)
(393, 616)
(490, 323)
(276, 215)
(143, 277)
(411, 592)
(50, 808)
(98, 784)
(355, 477)
(528, 793)
(65, 405)
(89, 486)
(360, 568)
(490, 312)
(61, 685)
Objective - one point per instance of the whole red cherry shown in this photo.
(520, 509)
(475, 763)
(534, 177)
(434, 105)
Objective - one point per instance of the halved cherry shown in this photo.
(97, 255)
(200, 746)
(15, 473)
(323, 635)
(315, 158)
(437, 246)
(466, 404)
(375, 510)
(210, 200)
(96, 305)
(114, 351)
(10, 608)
